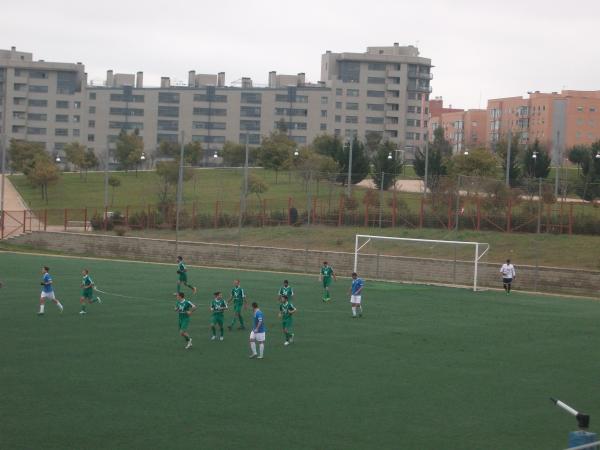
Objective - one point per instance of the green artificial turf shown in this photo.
(425, 368)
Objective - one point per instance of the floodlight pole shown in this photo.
(3, 147)
(245, 192)
(508, 145)
(349, 182)
(425, 178)
(179, 194)
(476, 267)
(381, 197)
(106, 174)
(558, 164)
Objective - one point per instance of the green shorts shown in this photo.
(287, 323)
(183, 277)
(184, 322)
(237, 307)
(326, 282)
(87, 293)
(217, 319)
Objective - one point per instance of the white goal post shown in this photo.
(479, 248)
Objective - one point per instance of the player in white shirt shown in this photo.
(508, 275)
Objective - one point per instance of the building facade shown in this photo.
(384, 90)
(465, 130)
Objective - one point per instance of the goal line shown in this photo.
(479, 249)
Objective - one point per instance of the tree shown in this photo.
(192, 151)
(440, 152)
(90, 161)
(257, 186)
(360, 162)
(313, 165)
(538, 167)
(22, 155)
(382, 164)
(478, 163)
(42, 173)
(329, 145)
(114, 183)
(75, 153)
(275, 151)
(514, 171)
(129, 149)
(588, 187)
(233, 154)
(372, 142)
(577, 154)
(281, 126)
(168, 172)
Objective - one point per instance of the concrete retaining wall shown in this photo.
(423, 270)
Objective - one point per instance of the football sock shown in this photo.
(232, 321)
(360, 310)
(221, 331)
(354, 310)
(83, 307)
(261, 349)
(214, 332)
(42, 308)
(59, 304)
(253, 347)
(186, 337)
(241, 321)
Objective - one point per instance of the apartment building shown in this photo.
(557, 120)
(384, 90)
(465, 130)
(41, 101)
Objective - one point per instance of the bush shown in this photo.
(120, 230)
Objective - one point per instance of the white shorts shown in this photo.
(355, 299)
(48, 295)
(258, 337)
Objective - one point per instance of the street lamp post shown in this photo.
(382, 183)
(508, 158)
(179, 194)
(106, 175)
(3, 145)
(539, 216)
(245, 192)
(558, 161)
(349, 183)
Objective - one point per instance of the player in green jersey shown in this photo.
(286, 311)
(87, 292)
(184, 309)
(182, 273)
(218, 307)
(238, 295)
(286, 290)
(326, 276)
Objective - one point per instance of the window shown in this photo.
(125, 125)
(66, 83)
(251, 97)
(411, 122)
(392, 120)
(168, 111)
(77, 105)
(394, 106)
(168, 97)
(38, 74)
(92, 96)
(19, 101)
(376, 80)
(375, 106)
(61, 132)
(337, 132)
(410, 136)
(291, 112)
(76, 119)
(580, 108)
(293, 125)
(377, 66)
(349, 71)
(62, 104)
(37, 117)
(36, 88)
(592, 109)
(338, 119)
(323, 127)
(375, 120)
(291, 99)
(250, 111)
(91, 138)
(168, 125)
(76, 132)
(394, 80)
(413, 109)
(209, 112)
(136, 112)
(61, 118)
(352, 92)
(352, 106)
(92, 110)
(298, 139)
(253, 139)
(351, 119)
(21, 87)
(375, 93)
(209, 125)
(19, 115)
(209, 139)
(211, 98)
(351, 134)
(338, 105)
(339, 91)
(91, 124)
(323, 113)
(127, 98)
(37, 103)
(324, 100)
(250, 125)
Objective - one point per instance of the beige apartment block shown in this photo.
(465, 130)
(41, 101)
(384, 90)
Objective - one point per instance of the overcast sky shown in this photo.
(480, 49)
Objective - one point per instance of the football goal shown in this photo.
(419, 260)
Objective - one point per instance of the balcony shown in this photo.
(392, 113)
(393, 74)
(421, 75)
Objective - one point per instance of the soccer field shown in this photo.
(425, 368)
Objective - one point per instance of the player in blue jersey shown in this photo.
(356, 295)
(47, 291)
(258, 332)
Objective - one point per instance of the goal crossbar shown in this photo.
(358, 245)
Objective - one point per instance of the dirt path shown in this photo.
(14, 205)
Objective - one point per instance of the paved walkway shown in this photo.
(14, 205)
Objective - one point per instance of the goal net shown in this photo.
(419, 260)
